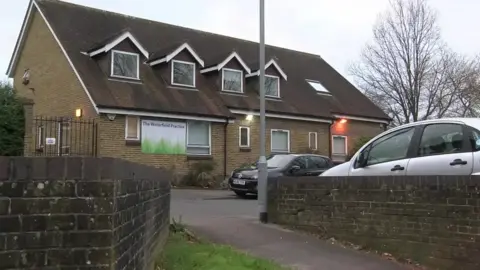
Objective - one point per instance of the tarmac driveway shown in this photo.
(221, 217)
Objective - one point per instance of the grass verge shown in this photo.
(184, 251)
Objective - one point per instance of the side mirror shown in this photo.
(362, 160)
(294, 168)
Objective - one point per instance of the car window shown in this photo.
(317, 163)
(391, 147)
(438, 139)
(300, 162)
(475, 140)
(278, 161)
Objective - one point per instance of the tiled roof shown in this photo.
(81, 28)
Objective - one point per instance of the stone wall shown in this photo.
(431, 220)
(81, 213)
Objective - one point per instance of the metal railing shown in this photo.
(60, 136)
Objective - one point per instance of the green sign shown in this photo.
(163, 137)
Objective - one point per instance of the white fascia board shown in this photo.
(283, 116)
(170, 56)
(117, 41)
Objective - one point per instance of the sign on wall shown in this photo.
(163, 137)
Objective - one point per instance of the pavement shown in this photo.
(223, 218)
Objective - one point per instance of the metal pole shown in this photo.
(262, 162)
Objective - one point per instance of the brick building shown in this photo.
(167, 96)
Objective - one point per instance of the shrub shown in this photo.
(12, 123)
(200, 174)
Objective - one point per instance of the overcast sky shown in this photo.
(335, 29)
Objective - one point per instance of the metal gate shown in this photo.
(58, 136)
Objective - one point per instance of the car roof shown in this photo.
(473, 122)
(299, 155)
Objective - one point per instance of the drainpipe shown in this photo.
(330, 138)
(225, 149)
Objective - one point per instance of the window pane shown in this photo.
(317, 163)
(475, 140)
(271, 86)
(125, 65)
(339, 145)
(232, 80)
(198, 150)
(300, 162)
(40, 136)
(132, 127)
(312, 140)
(391, 147)
(198, 133)
(244, 136)
(441, 139)
(279, 141)
(317, 86)
(183, 73)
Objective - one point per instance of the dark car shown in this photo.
(244, 180)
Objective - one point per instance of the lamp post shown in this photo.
(262, 162)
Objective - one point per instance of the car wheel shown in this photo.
(241, 194)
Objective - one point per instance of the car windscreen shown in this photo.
(279, 161)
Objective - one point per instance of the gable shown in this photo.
(34, 11)
(123, 38)
(53, 85)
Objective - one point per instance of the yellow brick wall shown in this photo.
(53, 86)
(111, 139)
(299, 131)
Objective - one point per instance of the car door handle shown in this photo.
(397, 168)
(458, 162)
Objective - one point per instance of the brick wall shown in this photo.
(81, 213)
(53, 87)
(431, 220)
(111, 143)
(298, 138)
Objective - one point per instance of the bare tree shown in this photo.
(408, 70)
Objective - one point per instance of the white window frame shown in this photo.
(126, 128)
(200, 146)
(40, 136)
(124, 77)
(61, 145)
(241, 80)
(271, 139)
(173, 72)
(316, 141)
(324, 91)
(240, 137)
(346, 144)
(278, 88)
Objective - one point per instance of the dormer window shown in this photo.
(272, 86)
(232, 80)
(125, 65)
(183, 73)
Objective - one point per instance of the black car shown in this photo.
(244, 180)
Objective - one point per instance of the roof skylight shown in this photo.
(318, 86)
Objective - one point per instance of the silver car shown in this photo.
(430, 147)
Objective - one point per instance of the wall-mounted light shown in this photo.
(343, 121)
(249, 117)
(78, 113)
(26, 77)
